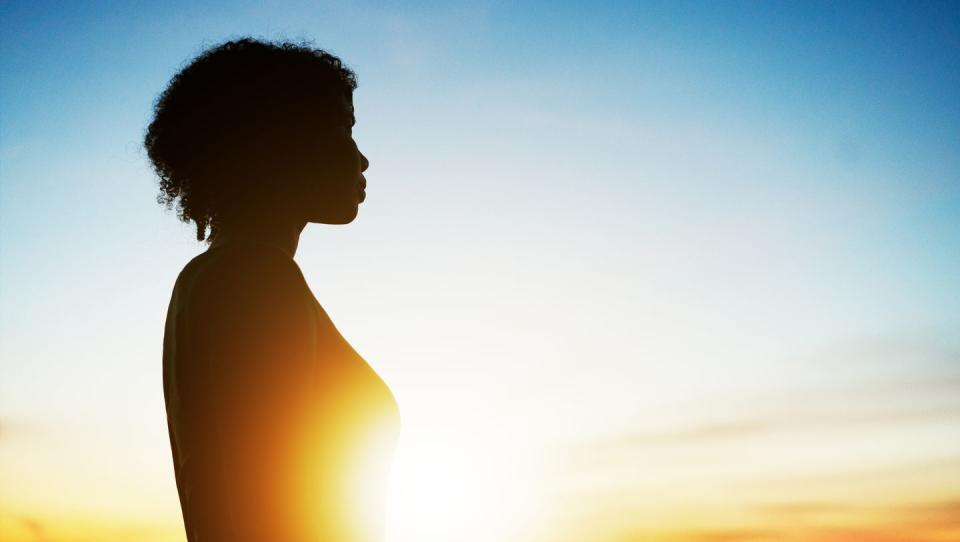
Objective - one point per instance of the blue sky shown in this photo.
(617, 219)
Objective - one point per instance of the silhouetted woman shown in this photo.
(279, 429)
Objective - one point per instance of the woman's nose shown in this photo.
(364, 163)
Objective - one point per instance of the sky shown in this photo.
(678, 271)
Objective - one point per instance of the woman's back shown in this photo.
(279, 430)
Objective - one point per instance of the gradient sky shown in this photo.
(676, 271)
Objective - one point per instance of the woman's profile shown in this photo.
(279, 430)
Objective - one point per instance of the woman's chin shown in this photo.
(340, 216)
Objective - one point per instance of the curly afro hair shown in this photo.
(233, 113)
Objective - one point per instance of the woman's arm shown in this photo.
(253, 343)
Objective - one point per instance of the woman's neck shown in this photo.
(283, 235)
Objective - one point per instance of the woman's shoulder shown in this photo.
(247, 272)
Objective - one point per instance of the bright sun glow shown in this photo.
(445, 485)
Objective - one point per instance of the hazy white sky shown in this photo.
(680, 269)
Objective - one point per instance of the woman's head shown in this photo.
(251, 130)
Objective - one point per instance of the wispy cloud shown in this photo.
(891, 404)
(728, 430)
(7, 429)
(12, 428)
(825, 521)
(41, 527)
(35, 528)
(694, 434)
(706, 535)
